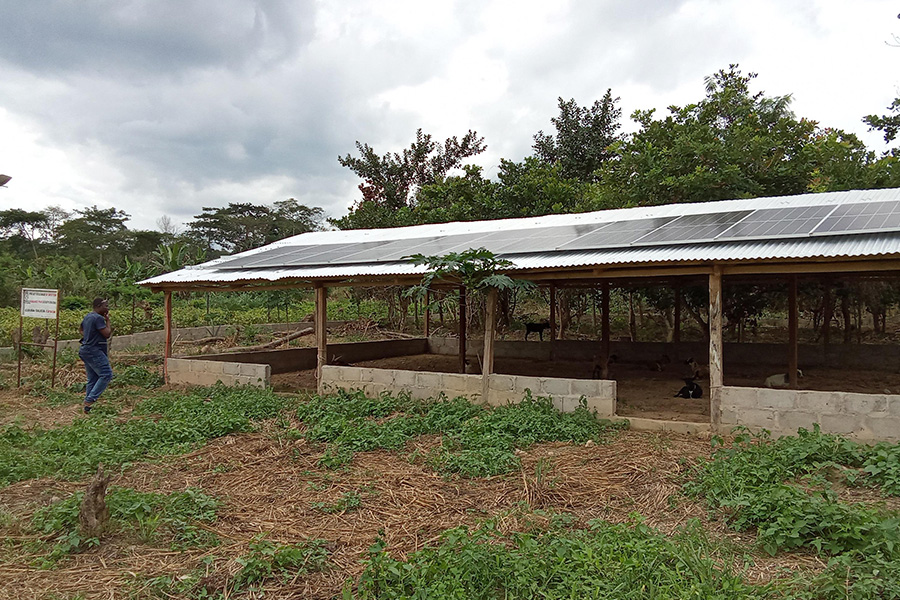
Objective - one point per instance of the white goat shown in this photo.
(780, 380)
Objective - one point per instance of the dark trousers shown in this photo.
(99, 371)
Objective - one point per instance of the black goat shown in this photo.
(691, 389)
(536, 328)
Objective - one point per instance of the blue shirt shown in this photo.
(91, 326)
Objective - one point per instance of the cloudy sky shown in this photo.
(161, 107)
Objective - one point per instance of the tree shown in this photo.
(97, 235)
(390, 182)
(242, 226)
(469, 197)
(583, 139)
(889, 124)
(28, 226)
(731, 144)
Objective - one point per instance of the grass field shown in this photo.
(239, 493)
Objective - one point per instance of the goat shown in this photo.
(781, 380)
(697, 370)
(536, 328)
(691, 389)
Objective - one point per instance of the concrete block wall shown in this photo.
(861, 356)
(566, 394)
(208, 372)
(865, 417)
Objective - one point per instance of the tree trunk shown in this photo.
(632, 325)
(845, 314)
(94, 514)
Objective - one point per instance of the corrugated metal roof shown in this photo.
(848, 246)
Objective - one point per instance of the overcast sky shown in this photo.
(161, 107)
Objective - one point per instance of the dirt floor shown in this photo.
(641, 392)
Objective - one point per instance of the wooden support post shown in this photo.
(552, 321)
(716, 375)
(321, 322)
(827, 314)
(604, 331)
(462, 329)
(427, 327)
(167, 326)
(676, 318)
(487, 366)
(792, 331)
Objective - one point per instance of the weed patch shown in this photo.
(477, 441)
(603, 561)
(784, 489)
(149, 516)
(171, 423)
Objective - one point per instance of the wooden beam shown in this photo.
(604, 331)
(792, 331)
(716, 375)
(490, 318)
(321, 321)
(167, 326)
(814, 266)
(462, 329)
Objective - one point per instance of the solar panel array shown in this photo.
(768, 223)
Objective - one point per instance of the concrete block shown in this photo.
(349, 373)
(739, 397)
(474, 385)
(251, 370)
(729, 416)
(431, 381)
(501, 383)
(366, 374)
(820, 402)
(893, 406)
(559, 403)
(586, 387)
(864, 404)
(883, 428)
(522, 383)
(755, 417)
(383, 376)
(205, 378)
(453, 382)
(640, 424)
(178, 364)
(555, 387)
(229, 368)
(604, 407)
(779, 399)
(608, 389)
(840, 424)
(421, 393)
(791, 420)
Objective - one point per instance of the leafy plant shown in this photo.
(268, 560)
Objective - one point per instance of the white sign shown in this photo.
(39, 303)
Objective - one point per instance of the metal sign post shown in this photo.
(38, 304)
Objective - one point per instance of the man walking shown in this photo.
(95, 332)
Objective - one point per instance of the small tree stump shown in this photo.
(94, 514)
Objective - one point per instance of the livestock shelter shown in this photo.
(821, 237)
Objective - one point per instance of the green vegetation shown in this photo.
(149, 516)
(477, 441)
(168, 423)
(786, 490)
(264, 562)
(602, 561)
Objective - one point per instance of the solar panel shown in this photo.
(540, 239)
(693, 228)
(860, 218)
(778, 222)
(241, 262)
(615, 234)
